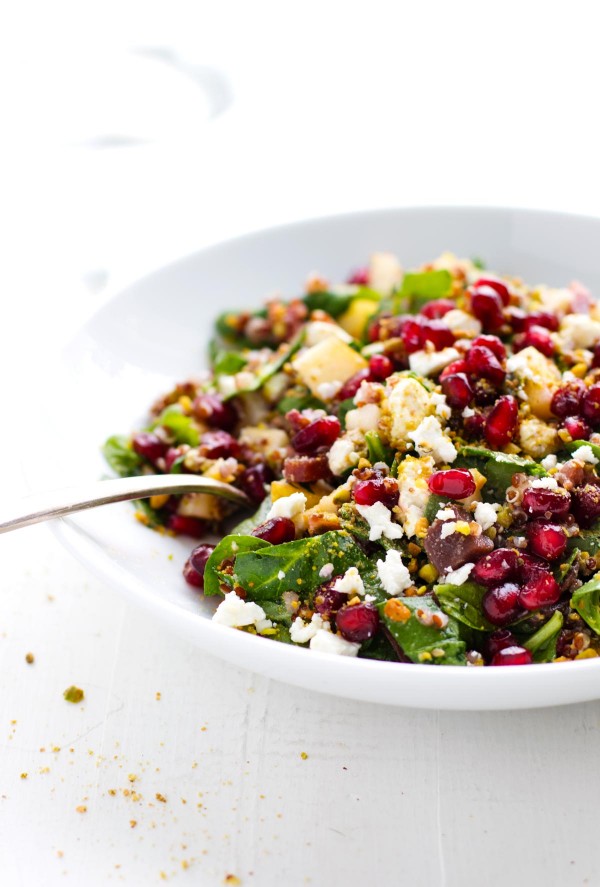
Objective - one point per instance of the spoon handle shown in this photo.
(57, 503)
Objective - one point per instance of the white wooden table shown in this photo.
(176, 766)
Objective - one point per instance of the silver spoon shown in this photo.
(56, 503)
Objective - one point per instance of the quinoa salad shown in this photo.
(422, 448)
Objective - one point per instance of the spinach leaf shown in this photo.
(149, 516)
(300, 563)
(344, 407)
(499, 468)
(421, 287)
(586, 540)
(227, 549)
(335, 304)
(181, 426)
(378, 647)
(434, 503)
(586, 600)
(277, 612)
(270, 368)
(563, 569)
(378, 452)
(574, 445)
(245, 527)
(542, 644)
(418, 641)
(463, 602)
(227, 363)
(119, 454)
(300, 400)
(478, 263)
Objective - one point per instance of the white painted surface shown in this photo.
(427, 798)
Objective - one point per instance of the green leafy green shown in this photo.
(542, 644)
(119, 454)
(434, 504)
(299, 400)
(378, 647)
(181, 426)
(420, 287)
(227, 549)
(271, 367)
(151, 517)
(335, 304)
(418, 641)
(245, 527)
(277, 612)
(562, 570)
(499, 468)
(463, 602)
(228, 362)
(574, 445)
(586, 540)
(378, 452)
(344, 407)
(478, 263)
(586, 600)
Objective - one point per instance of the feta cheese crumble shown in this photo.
(585, 454)
(379, 519)
(342, 456)
(448, 529)
(544, 483)
(549, 462)
(326, 571)
(236, 613)
(445, 514)
(302, 632)
(441, 407)
(287, 506)
(351, 582)
(460, 576)
(393, 574)
(325, 641)
(281, 575)
(328, 390)
(485, 514)
(430, 440)
(427, 363)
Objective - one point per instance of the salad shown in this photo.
(422, 448)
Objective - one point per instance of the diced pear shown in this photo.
(354, 320)
(281, 488)
(540, 378)
(201, 505)
(329, 361)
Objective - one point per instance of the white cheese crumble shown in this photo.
(448, 529)
(458, 577)
(236, 613)
(430, 440)
(328, 390)
(364, 418)
(281, 575)
(325, 641)
(288, 506)
(467, 413)
(485, 514)
(441, 407)
(342, 456)
(379, 519)
(549, 462)
(414, 491)
(394, 575)
(578, 331)
(585, 454)
(301, 632)
(318, 330)
(427, 363)
(326, 571)
(445, 514)
(460, 321)
(544, 483)
(408, 404)
(350, 583)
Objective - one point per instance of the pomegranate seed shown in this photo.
(276, 530)
(360, 277)
(502, 422)
(457, 366)
(483, 363)
(376, 329)
(455, 483)
(516, 318)
(566, 401)
(497, 285)
(317, 436)
(596, 357)
(253, 480)
(499, 640)
(328, 600)
(358, 623)
(539, 591)
(546, 540)
(438, 334)
(192, 576)
(218, 444)
(149, 445)
(586, 504)
(415, 332)
(590, 408)
(380, 367)
(184, 525)
(497, 567)
(538, 502)
(193, 570)
(578, 429)
(378, 489)
(512, 656)
(536, 337)
(531, 566)
(493, 343)
(500, 604)
(541, 318)
(172, 455)
(484, 393)
(437, 309)
(412, 335)
(457, 389)
(487, 306)
(473, 426)
(351, 386)
(211, 409)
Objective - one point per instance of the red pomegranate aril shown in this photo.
(482, 362)
(566, 401)
(455, 483)
(487, 307)
(500, 604)
(590, 407)
(193, 569)
(253, 480)
(541, 318)
(377, 489)
(184, 525)
(538, 337)
(516, 317)
(457, 366)
(171, 457)
(412, 335)
(211, 409)
(596, 357)
(578, 428)
(501, 423)
(328, 600)
(351, 386)
(276, 530)
(437, 308)
(546, 540)
(512, 656)
(380, 367)
(438, 334)
(359, 277)
(319, 435)
(192, 576)
(539, 502)
(458, 391)
(499, 640)
(218, 445)
(149, 446)
(473, 426)
(541, 590)
(531, 566)
(493, 343)
(497, 567)
(586, 504)
(497, 285)
(357, 623)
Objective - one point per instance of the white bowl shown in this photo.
(156, 331)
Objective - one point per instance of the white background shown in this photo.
(111, 167)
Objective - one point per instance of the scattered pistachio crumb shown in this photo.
(161, 798)
(23, 775)
(74, 694)
(132, 823)
(232, 881)
(81, 809)
(158, 695)
(29, 658)
(132, 777)
(303, 755)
